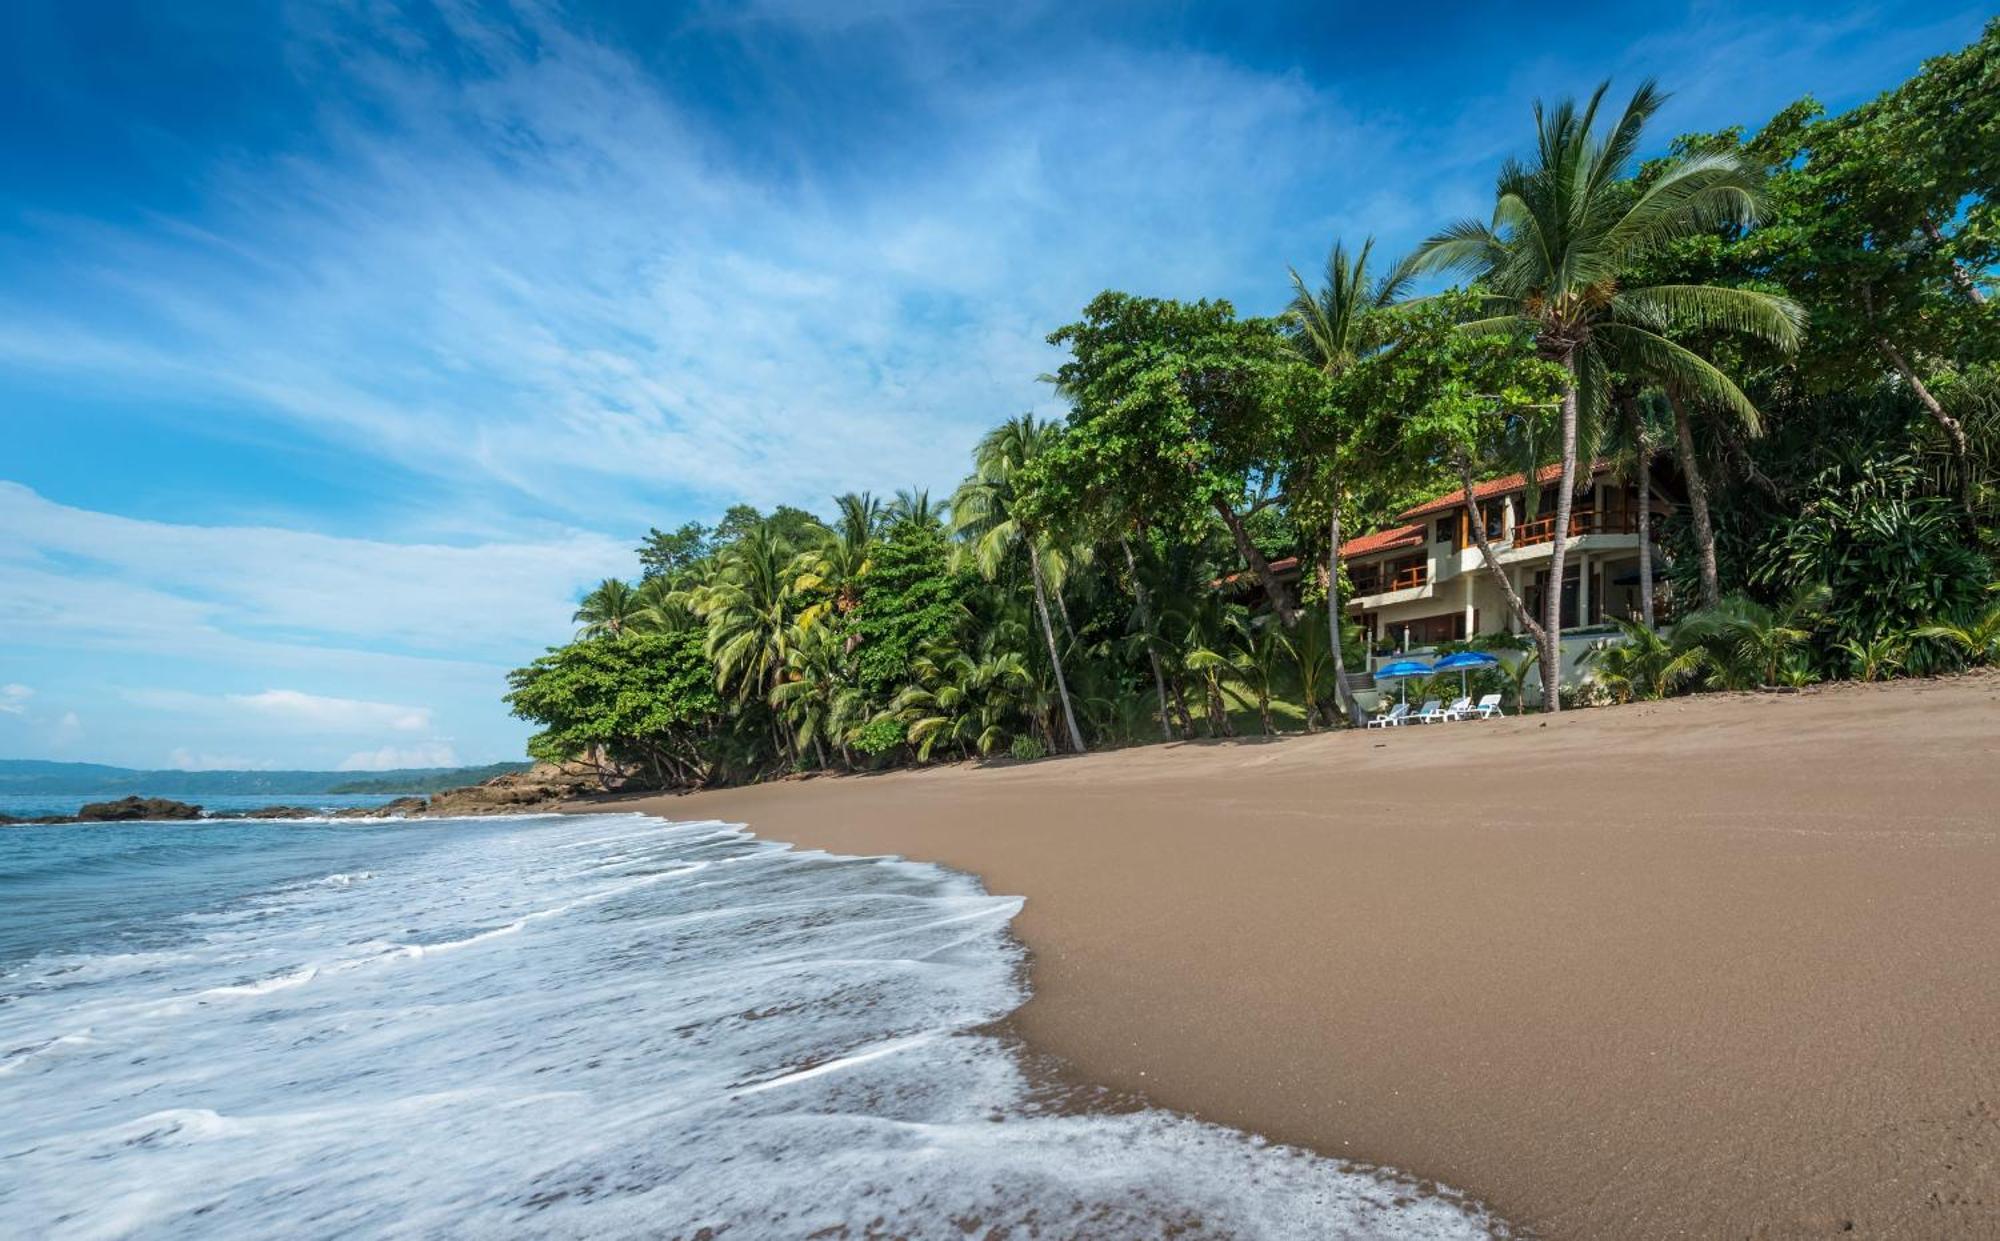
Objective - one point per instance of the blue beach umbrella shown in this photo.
(1402, 670)
(1463, 662)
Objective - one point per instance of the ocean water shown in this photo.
(604, 1026)
(48, 805)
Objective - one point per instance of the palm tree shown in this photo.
(1631, 442)
(1331, 329)
(1748, 643)
(1644, 664)
(661, 607)
(838, 564)
(913, 504)
(985, 513)
(1875, 660)
(607, 611)
(1564, 230)
(748, 607)
(1254, 652)
(1980, 638)
(961, 701)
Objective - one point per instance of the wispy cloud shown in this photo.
(14, 699)
(388, 758)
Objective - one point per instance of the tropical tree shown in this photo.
(1979, 638)
(1565, 229)
(965, 703)
(1332, 327)
(988, 515)
(1642, 663)
(1748, 643)
(1876, 659)
(1182, 409)
(750, 608)
(608, 610)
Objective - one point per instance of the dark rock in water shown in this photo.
(401, 806)
(272, 812)
(131, 809)
(8, 820)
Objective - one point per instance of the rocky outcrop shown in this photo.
(272, 812)
(542, 787)
(135, 809)
(402, 807)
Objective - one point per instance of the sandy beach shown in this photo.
(1723, 966)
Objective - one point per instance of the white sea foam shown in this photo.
(606, 1027)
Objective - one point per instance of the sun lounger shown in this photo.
(1486, 708)
(1393, 718)
(1461, 708)
(1433, 713)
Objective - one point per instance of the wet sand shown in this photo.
(1725, 966)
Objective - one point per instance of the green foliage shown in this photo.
(647, 698)
(1745, 643)
(1107, 577)
(1892, 556)
(910, 598)
(1026, 749)
(880, 736)
(669, 556)
(1643, 664)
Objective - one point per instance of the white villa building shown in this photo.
(1424, 581)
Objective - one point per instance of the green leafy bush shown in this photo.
(1026, 748)
(879, 737)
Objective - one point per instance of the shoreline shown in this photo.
(1719, 965)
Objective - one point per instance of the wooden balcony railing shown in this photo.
(1581, 521)
(1379, 580)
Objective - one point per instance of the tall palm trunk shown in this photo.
(1333, 611)
(1642, 446)
(1559, 548)
(1146, 623)
(1049, 633)
(1704, 530)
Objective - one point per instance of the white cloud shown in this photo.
(72, 577)
(321, 714)
(14, 699)
(68, 731)
(429, 754)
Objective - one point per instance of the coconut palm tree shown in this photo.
(607, 611)
(1875, 660)
(1979, 638)
(1332, 328)
(1643, 664)
(963, 702)
(985, 515)
(914, 504)
(748, 607)
(837, 565)
(1748, 643)
(1565, 229)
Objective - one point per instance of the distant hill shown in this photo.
(28, 775)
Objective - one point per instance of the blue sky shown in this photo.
(342, 346)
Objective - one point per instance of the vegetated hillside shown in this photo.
(39, 776)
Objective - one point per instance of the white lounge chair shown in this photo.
(1485, 709)
(1432, 713)
(1393, 718)
(1460, 708)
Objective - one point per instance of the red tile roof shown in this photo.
(1498, 487)
(1383, 540)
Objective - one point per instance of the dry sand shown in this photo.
(1725, 966)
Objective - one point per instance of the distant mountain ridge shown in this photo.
(31, 775)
